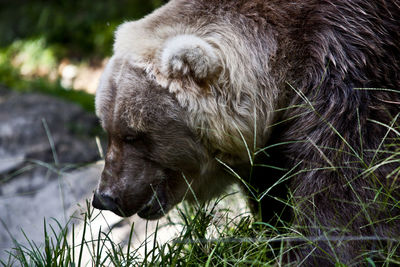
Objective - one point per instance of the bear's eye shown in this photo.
(133, 138)
(130, 138)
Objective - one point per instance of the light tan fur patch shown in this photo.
(234, 114)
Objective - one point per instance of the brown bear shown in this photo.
(298, 100)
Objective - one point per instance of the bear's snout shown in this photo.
(104, 202)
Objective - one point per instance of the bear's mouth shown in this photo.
(153, 210)
(156, 207)
(157, 202)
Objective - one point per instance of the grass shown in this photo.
(208, 237)
(238, 242)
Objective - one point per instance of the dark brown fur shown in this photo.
(333, 48)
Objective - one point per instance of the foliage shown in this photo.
(37, 34)
(11, 76)
(77, 28)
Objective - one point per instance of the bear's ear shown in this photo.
(188, 55)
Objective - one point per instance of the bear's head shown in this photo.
(153, 156)
(182, 114)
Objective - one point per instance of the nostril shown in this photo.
(104, 202)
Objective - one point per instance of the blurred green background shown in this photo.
(60, 47)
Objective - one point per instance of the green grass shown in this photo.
(239, 242)
(235, 241)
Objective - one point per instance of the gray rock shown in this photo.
(40, 134)
(54, 202)
(43, 140)
(23, 119)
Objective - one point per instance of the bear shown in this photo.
(298, 101)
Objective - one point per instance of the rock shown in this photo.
(42, 140)
(39, 134)
(55, 202)
(11, 163)
(23, 122)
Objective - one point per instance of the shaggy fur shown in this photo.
(312, 82)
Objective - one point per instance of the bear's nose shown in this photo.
(104, 202)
